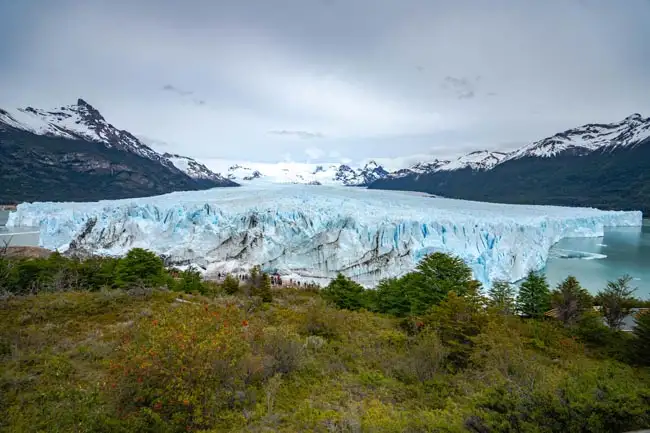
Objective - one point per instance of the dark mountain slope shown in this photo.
(607, 178)
(51, 168)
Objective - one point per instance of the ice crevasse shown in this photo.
(315, 232)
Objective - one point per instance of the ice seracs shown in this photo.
(317, 232)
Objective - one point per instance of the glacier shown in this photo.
(314, 232)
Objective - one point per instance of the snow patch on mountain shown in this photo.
(79, 121)
(478, 160)
(588, 138)
(298, 172)
(193, 168)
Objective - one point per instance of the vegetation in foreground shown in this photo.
(139, 350)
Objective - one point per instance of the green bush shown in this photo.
(140, 267)
(190, 281)
(344, 293)
(230, 285)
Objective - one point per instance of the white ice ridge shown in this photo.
(318, 231)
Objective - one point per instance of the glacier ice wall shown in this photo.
(318, 231)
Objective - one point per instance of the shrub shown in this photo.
(181, 367)
(426, 356)
(344, 293)
(230, 285)
(642, 341)
(190, 281)
(284, 351)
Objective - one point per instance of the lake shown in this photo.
(627, 251)
(623, 250)
(24, 236)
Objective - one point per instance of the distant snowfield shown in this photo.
(314, 232)
(276, 172)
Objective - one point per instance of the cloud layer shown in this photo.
(361, 78)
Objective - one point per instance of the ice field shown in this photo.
(317, 231)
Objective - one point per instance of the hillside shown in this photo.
(74, 154)
(99, 351)
(604, 166)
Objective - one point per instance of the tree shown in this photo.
(502, 297)
(255, 275)
(265, 288)
(457, 320)
(616, 300)
(140, 266)
(391, 296)
(230, 284)
(642, 334)
(570, 301)
(345, 293)
(190, 281)
(534, 297)
(437, 275)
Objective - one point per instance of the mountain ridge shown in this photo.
(73, 154)
(597, 165)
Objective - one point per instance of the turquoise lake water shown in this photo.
(622, 251)
(627, 251)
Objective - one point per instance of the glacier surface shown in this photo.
(314, 232)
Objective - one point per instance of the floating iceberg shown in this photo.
(317, 231)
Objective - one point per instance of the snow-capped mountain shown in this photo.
(238, 172)
(73, 154)
(598, 165)
(192, 167)
(297, 172)
(478, 160)
(578, 141)
(81, 121)
(588, 138)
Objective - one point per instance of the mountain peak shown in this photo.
(634, 116)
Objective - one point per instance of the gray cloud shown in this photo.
(299, 134)
(174, 89)
(462, 87)
(376, 78)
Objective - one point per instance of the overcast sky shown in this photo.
(324, 80)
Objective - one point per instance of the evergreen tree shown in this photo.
(502, 297)
(140, 266)
(534, 297)
(265, 288)
(570, 301)
(616, 300)
(255, 276)
(642, 334)
(230, 284)
(436, 276)
(345, 293)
